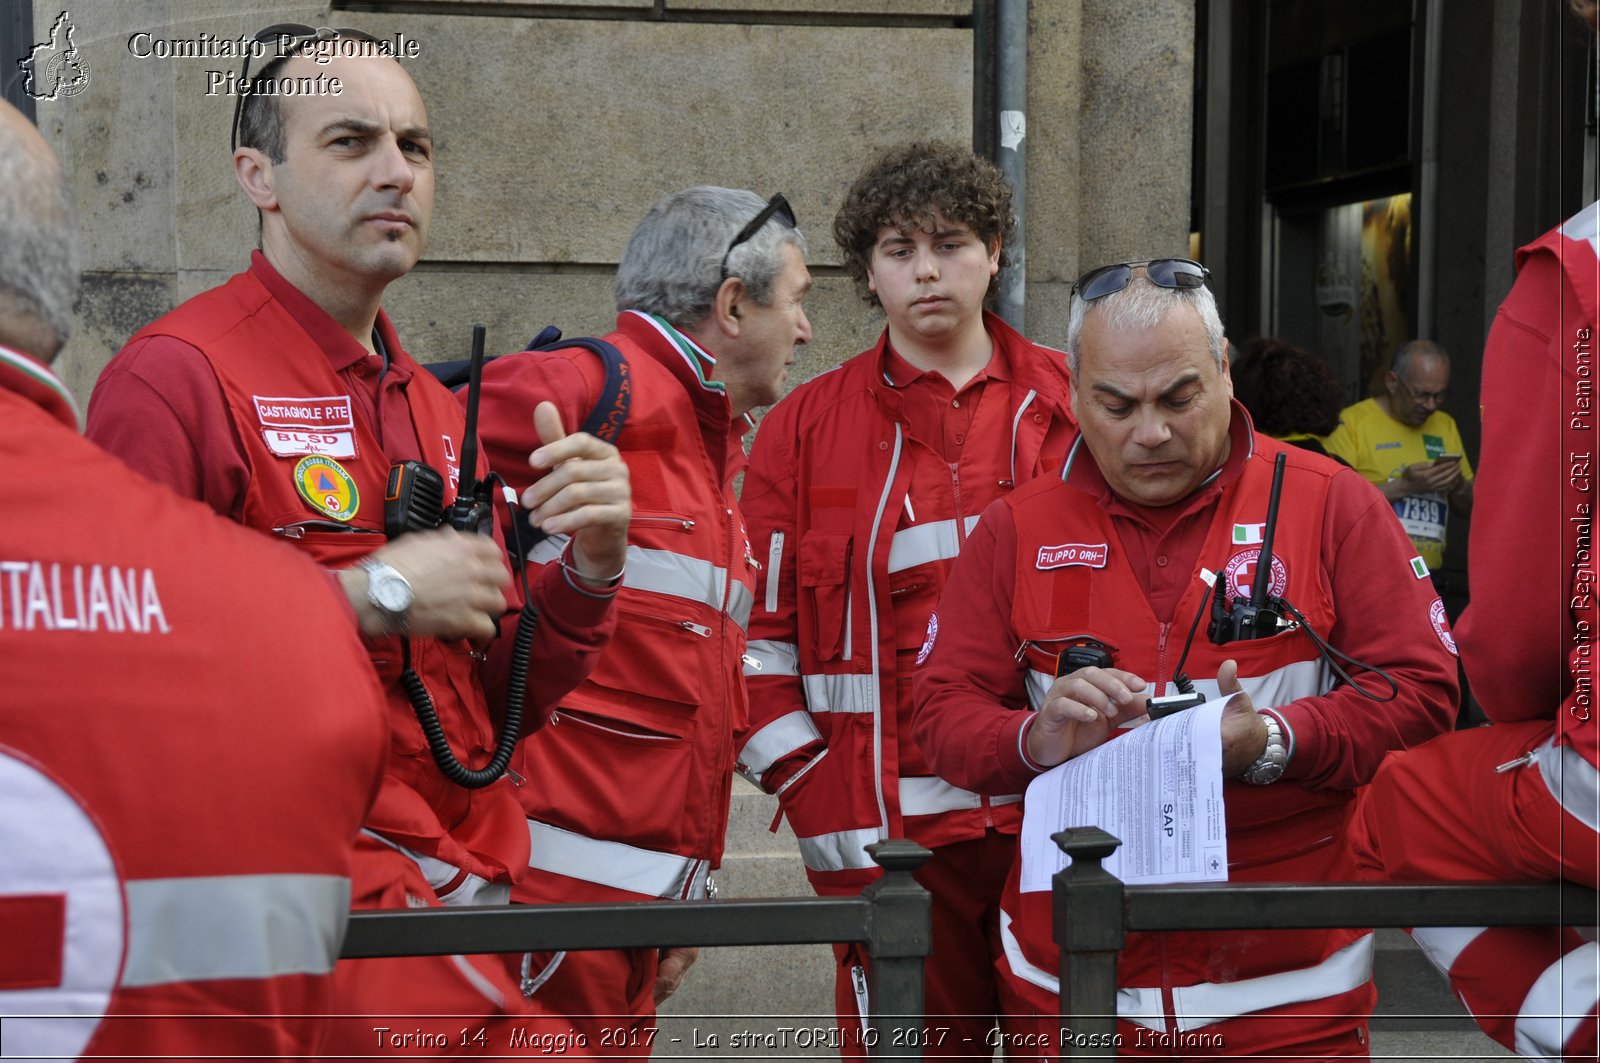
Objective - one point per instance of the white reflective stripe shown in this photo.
(479, 980)
(1142, 1007)
(805, 768)
(1442, 944)
(1038, 686)
(1204, 1003)
(1015, 423)
(774, 658)
(666, 572)
(741, 600)
(843, 851)
(841, 693)
(774, 560)
(615, 864)
(1558, 1003)
(471, 890)
(233, 926)
(1572, 780)
(1200, 1005)
(789, 732)
(919, 544)
(1303, 679)
(926, 795)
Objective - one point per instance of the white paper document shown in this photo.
(1157, 787)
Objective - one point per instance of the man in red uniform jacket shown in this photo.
(628, 781)
(177, 807)
(1520, 799)
(1167, 482)
(281, 399)
(863, 486)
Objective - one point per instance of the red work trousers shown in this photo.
(1442, 811)
(964, 880)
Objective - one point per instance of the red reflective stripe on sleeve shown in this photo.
(34, 929)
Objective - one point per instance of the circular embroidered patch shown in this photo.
(1441, 625)
(326, 487)
(1240, 572)
(933, 635)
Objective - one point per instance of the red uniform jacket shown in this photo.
(827, 482)
(190, 737)
(316, 476)
(1018, 595)
(628, 781)
(1528, 636)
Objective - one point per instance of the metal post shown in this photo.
(902, 934)
(1011, 132)
(1088, 902)
(16, 38)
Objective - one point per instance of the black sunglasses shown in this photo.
(778, 207)
(1163, 272)
(281, 34)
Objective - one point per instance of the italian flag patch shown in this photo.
(1248, 534)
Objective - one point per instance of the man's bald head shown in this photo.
(38, 242)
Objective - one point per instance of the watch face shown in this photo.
(391, 592)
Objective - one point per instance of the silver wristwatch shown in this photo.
(1268, 767)
(389, 594)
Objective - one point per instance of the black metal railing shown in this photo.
(1094, 911)
(891, 917)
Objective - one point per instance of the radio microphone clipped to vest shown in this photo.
(414, 501)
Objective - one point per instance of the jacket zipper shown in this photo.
(683, 522)
(774, 559)
(858, 980)
(1161, 660)
(955, 487)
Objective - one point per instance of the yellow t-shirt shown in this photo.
(1378, 447)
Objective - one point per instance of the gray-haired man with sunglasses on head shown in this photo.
(629, 779)
(1167, 485)
(282, 399)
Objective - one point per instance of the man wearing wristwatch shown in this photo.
(1168, 483)
(282, 399)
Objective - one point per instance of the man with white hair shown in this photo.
(1167, 483)
(631, 773)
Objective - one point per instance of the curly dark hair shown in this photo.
(904, 185)
(1287, 389)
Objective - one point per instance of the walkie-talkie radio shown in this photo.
(1258, 616)
(414, 498)
(414, 501)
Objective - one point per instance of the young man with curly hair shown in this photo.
(863, 486)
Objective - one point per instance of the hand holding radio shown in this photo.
(1079, 710)
(584, 494)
